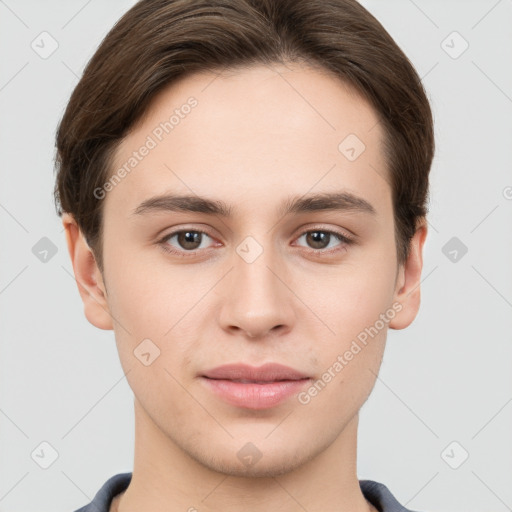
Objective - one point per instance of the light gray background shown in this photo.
(446, 378)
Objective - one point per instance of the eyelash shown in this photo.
(344, 239)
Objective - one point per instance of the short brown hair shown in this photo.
(158, 41)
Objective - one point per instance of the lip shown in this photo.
(252, 387)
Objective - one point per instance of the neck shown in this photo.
(166, 478)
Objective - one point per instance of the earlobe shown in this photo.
(407, 292)
(88, 276)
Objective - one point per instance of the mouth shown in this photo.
(251, 387)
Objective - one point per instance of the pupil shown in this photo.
(189, 239)
(318, 239)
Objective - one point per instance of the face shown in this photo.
(255, 228)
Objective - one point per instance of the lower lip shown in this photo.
(255, 396)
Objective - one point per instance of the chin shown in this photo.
(251, 462)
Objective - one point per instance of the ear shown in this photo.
(407, 290)
(88, 276)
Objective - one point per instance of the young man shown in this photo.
(243, 188)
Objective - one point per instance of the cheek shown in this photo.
(151, 298)
(167, 307)
(350, 357)
(155, 332)
(358, 309)
(354, 299)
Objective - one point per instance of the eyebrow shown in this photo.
(327, 201)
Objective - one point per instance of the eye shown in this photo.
(187, 240)
(323, 239)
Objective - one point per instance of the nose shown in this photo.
(257, 301)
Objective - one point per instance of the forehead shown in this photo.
(271, 130)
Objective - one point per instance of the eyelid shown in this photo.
(346, 234)
(177, 228)
(342, 233)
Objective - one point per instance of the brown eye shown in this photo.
(318, 239)
(186, 240)
(323, 239)
(189, 239)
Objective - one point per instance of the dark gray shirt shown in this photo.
(377, 494)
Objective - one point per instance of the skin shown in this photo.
(257, 137)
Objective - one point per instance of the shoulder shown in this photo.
(103, 498)
(381, 497)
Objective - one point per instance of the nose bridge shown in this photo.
(256, 300)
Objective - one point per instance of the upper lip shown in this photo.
(268, 372)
